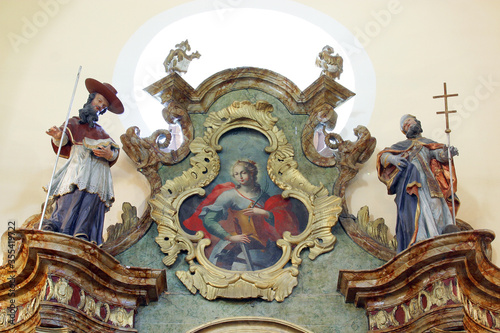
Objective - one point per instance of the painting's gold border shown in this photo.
(249, 324)
(275, 282)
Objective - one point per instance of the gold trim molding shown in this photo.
(249, 324)
(437, 295)
(277, 281)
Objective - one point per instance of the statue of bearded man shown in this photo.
(83, 187)
(417, 171)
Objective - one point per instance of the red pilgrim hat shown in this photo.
(108, 91)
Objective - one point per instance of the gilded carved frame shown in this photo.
(272, 283)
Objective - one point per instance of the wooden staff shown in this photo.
(59, 149)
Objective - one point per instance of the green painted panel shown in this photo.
(314, 304)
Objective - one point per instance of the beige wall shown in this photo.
(414, 47)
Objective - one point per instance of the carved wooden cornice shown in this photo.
(61, 281)
(447, 282)
(319, 100)
(323, 90)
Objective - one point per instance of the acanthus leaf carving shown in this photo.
(349, 156)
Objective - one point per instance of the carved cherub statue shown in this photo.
(331, 65)
(178, 60)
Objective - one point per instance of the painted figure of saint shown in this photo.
(243, 221)
(416, 170)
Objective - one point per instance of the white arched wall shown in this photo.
(236, 36)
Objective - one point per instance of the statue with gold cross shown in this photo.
(420, 172)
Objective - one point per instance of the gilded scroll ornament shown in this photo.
(21, 313)
(496, 320)
(480, 315)
(89, 306)
(63, 291)
(438, 294)
(383, 319)
(4, 318)
(477, 313)
(147, 152)
(377, 229)
(150, 153)
(81, 304)
(28, 309)
(332, 64)
(129, 220)
(178, 59)
(93, 308)
(349, 156)
(208, 255)
(413, 310)
(120, 317)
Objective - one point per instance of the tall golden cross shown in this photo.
(446, 111)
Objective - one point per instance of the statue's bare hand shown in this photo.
(104, 152)
(398, 161)
(55, 132)
(453, 151)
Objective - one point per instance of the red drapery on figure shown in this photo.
(284, 218)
